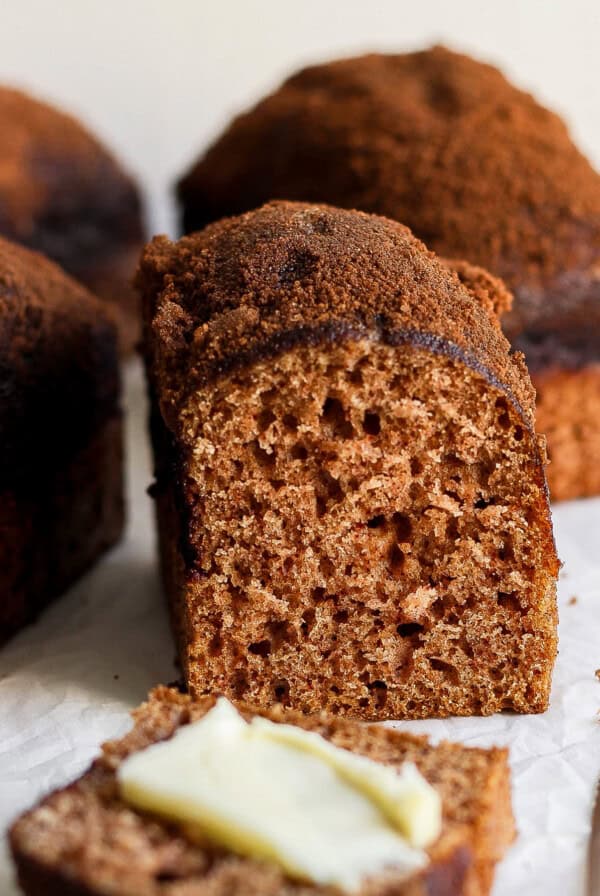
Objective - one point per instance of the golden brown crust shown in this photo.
(85, 838)
(290, 273)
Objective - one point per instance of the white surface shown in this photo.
(68, 682)
(158, 78)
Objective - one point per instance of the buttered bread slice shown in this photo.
(91, 838)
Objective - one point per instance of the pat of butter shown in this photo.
(279, 793)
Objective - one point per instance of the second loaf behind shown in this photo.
(351, 496)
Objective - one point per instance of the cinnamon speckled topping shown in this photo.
(61, 192)
(287, 273)
(445, 144)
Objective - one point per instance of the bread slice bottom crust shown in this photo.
(84, 841)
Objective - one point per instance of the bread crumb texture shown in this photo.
(351, 496)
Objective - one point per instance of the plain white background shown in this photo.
(157, 79)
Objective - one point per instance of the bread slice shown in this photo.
(351, 496)
(84, 841)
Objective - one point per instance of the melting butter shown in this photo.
(279, 793)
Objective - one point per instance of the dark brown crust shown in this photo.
(461, 862)
(52, 531)
(63, 194)
(60, 433)
(288, 273)
(439, 141)
(447, 877)
(58, 363)
(36, 879)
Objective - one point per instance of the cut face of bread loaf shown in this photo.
(476, 168)
(85, 841)
(350, 493)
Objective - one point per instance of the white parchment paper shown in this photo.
(69, 681)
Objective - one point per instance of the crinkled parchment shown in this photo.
(69, 681)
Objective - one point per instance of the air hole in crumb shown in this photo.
(299, 452)
(255, 506)
(281, 633)
(240, 685)
(318, 593)
(503, 418)
(335, 415)
(333, 489)
(409, 629)
(326, 566)
(308, 619)
(447, 669)
(321, 506)
(264, 458)
(214, 648)
(363, 702)
(396, 560)
(378, 691)
(403, 526)
(376, 522)
(371, 423)
(518, 433)
(260, 648)
(467, 649)
(281, 690)
(510, 601)
(290, 421)
(265, 418)
(416, 467)
(341, 616)
(506, 552)
(452, 529)
(355, 376)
